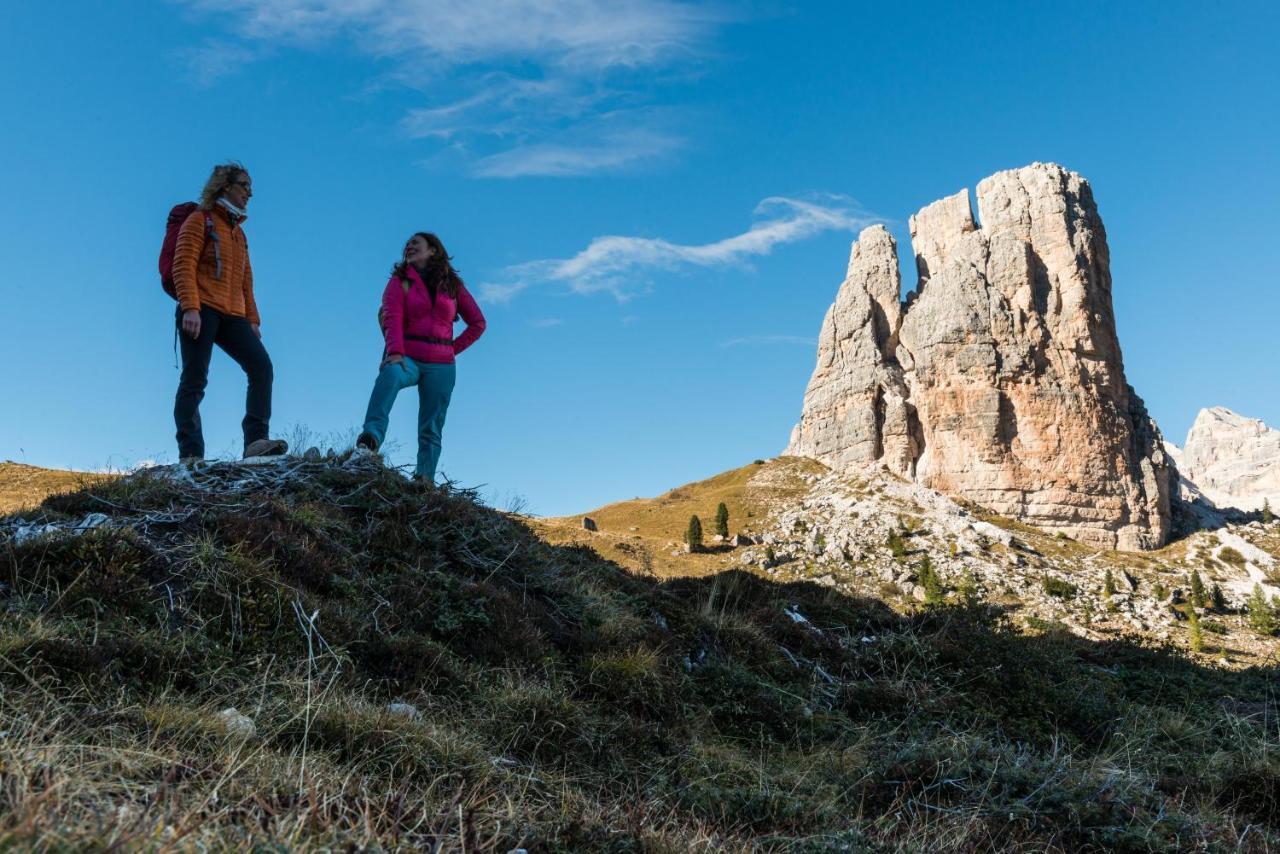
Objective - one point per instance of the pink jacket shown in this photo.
(422, 330)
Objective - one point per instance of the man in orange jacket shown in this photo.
(214, 283)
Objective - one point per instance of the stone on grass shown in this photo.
(403, 710)
(237, 726)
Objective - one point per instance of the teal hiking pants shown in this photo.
(435, 387)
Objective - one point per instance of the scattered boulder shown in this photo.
(403, 710)
(238, 726)
(589, 524)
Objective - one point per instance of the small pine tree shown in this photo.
(1193, 624)
(1108, 584)
(931, 582)
(722, 520)
(769, 555)
(693, 536)
(1218, 599)
(1197, 590)
(1262, 618)
(896, 546)
(969, 590)
(1267, 516)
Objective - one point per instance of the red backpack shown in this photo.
(177, 216)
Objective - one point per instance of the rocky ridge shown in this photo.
(838, 535)
(999, 380)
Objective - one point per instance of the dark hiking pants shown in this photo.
(238, 340)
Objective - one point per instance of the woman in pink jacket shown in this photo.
(423, 299)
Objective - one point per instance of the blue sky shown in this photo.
(653, 201)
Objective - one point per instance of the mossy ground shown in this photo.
(566, 703)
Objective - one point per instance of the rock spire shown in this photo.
(1000, 379)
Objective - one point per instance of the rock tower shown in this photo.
(999, 380)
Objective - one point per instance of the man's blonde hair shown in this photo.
(220, 180)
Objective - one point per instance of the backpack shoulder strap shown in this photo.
(211, 234)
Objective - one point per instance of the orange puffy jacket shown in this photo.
(219, 275)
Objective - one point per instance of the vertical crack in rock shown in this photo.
(1000, 379)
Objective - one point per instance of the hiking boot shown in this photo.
(265, 448)
(368, 441)
(190, 461)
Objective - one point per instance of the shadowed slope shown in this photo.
(560, 702)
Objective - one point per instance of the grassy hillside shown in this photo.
(646, 534)
(23, 486)
(411, 670)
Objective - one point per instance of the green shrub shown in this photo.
(1229, 555)
(1108, 584)
(968, 589)
(1059, 588)
(1262, 616)
(897, 547)
(931, 581)
(1193, 626)
(1218, 599)
(1197, 590)
(1267, 516)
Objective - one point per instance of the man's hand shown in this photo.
(257, 330)
(393, 359)
(191, 322)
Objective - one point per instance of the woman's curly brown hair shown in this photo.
(220, 180)
(439, 272)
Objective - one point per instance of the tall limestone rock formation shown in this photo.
(1233, 460)
(1000, 379)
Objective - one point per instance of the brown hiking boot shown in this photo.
(367, 441)
(265, 448)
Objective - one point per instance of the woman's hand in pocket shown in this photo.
(393, 359)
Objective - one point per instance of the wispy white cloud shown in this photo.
(620, 265)
(214, 60)
(507, 80)
(575, 34)
(613, 153)
(759, 340)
